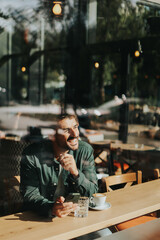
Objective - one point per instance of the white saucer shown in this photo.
(103, 207)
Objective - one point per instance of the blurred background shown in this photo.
(98, 59)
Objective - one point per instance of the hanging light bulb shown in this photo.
(139, 49)
(57, 8)
(23, 69)
(96, 64)
(136, 53)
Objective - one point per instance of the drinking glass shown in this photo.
(82, 208)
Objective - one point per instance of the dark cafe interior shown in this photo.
(79, 119)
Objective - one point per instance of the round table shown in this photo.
(129, 147)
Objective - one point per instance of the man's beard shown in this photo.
(72, 143)
(68, 146)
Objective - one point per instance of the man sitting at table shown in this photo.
(52, 169)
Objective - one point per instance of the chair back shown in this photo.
(17, 178)
(12, 194)
(127, 178)
(150, 174)
(156, 173)
(10, 157)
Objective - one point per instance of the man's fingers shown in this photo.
(66, 164)
(63, 209)
(60, 199)
(63, 214)
(66, 161)
(64, 157)
(63, 205)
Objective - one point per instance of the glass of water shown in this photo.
(82, 208)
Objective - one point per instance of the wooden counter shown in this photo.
(125, 204)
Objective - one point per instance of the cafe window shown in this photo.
(98, 59)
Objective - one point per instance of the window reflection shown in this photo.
(83, 61)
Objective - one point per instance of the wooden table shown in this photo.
(148, 230)
(130, 149)
(125, 204)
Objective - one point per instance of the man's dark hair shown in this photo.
(66, 115)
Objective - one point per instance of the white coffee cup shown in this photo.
(98, 199)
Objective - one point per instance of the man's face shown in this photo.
(67, 134)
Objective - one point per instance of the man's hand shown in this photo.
(68, 163)
(61, 208)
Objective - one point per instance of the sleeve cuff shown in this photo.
(50, 215)
(78, 180)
